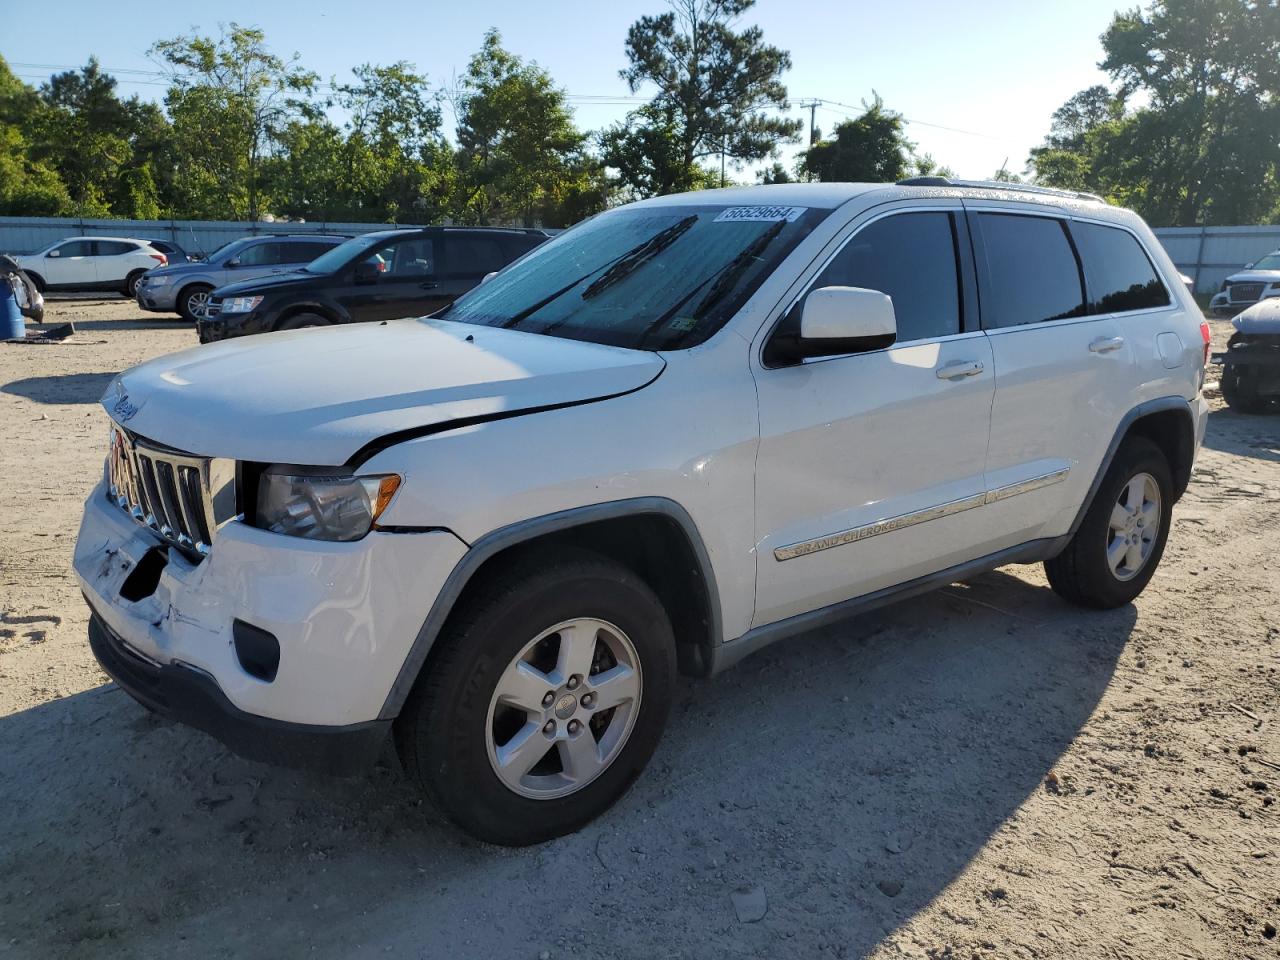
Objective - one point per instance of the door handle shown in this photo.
(1106, 344)
(959, 368)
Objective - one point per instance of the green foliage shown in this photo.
(520, 156)
(1200, 145)
(715, 87)
(871, 148)
(231, 101)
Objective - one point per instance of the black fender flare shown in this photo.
(523, 531)
(331, 312)
(1158, 405)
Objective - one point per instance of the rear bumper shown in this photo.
(191, 696)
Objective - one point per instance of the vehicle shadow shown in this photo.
(1243, 434)
(851, 773)
(60, 389)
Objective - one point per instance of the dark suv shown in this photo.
(377, 276)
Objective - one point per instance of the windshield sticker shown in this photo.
(761, 214)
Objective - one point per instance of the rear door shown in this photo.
(112, 260)
(870, 465)
(1062, 373)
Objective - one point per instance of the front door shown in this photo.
(75, 264)
(407, 284)
(871, 465)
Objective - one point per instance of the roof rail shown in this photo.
(998, 185)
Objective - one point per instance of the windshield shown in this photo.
(651, 278)
(1270, 262)
(337, 257)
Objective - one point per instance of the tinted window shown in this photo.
(1032, 271)
(261, 255)
(474, 256)
(113, 248)
(302, 251)
(1117, 272)
(406, 258)
(76, 248)
(912, 258)
(519, 246)
(162, 246)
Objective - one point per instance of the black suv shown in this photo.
(377, 276)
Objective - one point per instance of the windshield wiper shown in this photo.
(725, 279)
(631, 261)
(529, 311)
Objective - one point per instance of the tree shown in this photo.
(520, 156)
(1201, 146)
(231, 101)
(871, 148)
(715, 88)
(28, 187)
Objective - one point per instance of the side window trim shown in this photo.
(966, 280)
(1164, 282)
(973, 217)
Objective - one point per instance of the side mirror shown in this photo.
(487, 277)
(367, 272)
(233, 262)
(833, 321)
(54, 253)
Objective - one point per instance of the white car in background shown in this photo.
(1259, 280)
(92, 263)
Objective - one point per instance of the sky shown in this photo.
(977, 82)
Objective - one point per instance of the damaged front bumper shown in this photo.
(344, 616)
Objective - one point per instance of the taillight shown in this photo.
(160, 257)
(1207, 336)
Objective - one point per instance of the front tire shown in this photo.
(1115, 552)
(544, 697)
(192, 300)
(300, 321)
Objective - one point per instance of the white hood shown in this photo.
(318, 396)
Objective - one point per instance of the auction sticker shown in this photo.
(765, 214)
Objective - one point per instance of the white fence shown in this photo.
(28, 234)
(1208, 255)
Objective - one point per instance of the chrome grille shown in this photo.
(1244, 292)
(181, 497)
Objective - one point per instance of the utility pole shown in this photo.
(724, 145)
(813, 106)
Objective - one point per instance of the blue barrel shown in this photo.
(12, 323)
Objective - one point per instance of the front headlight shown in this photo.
(322, 506)
(240, 304)
(152, 281)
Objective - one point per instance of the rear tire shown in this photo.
(131, 283)
(1113, 555)
(469, 722)
(191, 300)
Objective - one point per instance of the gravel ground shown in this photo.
(984, 772)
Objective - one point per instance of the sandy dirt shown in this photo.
(985, 772)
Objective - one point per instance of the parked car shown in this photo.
(1250, 380)
(378, 276)
(91, 263)
(184, 287)
(672, 435)
(1259, 280)
(173, 251)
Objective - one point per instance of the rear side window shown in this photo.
(474, 256)
(912, 258)
(1117, 271)
(302, 251)
(1032, 271)
(113, 248)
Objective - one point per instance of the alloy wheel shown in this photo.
(564, 708)
(1134, 526)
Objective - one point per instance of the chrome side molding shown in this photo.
(890, 524)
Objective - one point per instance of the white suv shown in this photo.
(92, 263)
(680, 431)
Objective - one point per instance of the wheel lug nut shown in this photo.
(573, 682)
(574, 727)
(588, 699)
(549, 728)
(547, 700)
